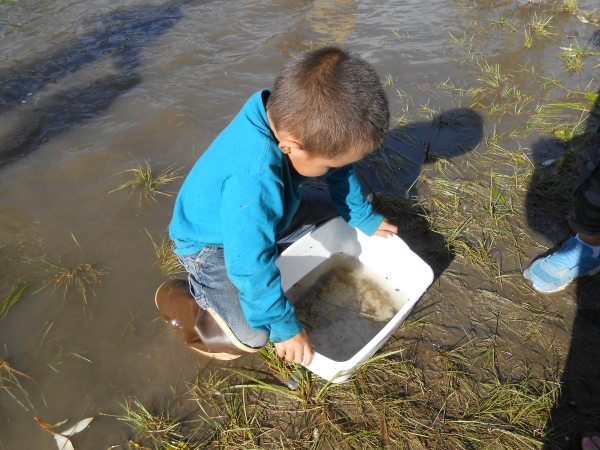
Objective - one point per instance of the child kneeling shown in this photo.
(247, 196)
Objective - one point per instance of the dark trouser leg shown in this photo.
(585, 216)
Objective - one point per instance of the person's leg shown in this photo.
(592, 241)
(315, 208)
(580, 255)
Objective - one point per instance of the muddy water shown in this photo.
(87, 90)
(343, 304)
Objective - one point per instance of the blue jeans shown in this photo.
(210, 285)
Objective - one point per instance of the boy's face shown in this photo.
(315, 166)
(304, 163)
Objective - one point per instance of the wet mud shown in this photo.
(87, 93)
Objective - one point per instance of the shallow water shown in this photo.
(343, 304)
(86, 92)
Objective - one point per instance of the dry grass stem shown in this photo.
(80, 276)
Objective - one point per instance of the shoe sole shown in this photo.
(560, 288)
(218, 356)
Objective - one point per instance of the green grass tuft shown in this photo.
(11, 299)
(149, 185)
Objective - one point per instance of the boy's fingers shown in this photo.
(308, 355)
(280, 351)
(386, 226)
(384, 233)
(300, 354)
(289, 354)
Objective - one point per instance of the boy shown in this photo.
(245, 196)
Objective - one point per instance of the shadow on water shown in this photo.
(548, 205)
(393, 172)
(29, 116)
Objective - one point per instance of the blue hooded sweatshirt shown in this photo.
(240, 194)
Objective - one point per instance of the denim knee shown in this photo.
(211, 287)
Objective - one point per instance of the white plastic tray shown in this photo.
(390, 257)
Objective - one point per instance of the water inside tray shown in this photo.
(343, 304)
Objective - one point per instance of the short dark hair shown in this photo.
(332, 101)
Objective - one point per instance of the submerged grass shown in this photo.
(541, 25)
(569, 6)
(14, 294)
(11, 299)
(574, 56)
(81, 276)
(11, 385)
(504, 20)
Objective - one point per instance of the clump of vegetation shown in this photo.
(528, 38)
(166, 259)
(569, 6)
(558, 116)
(80, 276)
(574, 56)
(149, 185)
(541, 25)
(503, 20)
(467, 45)
(158, 430)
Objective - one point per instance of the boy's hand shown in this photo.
(296, 349)
(386, 229)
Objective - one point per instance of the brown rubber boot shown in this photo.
(179, 309)
(217, 335)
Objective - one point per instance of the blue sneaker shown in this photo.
(554, 272)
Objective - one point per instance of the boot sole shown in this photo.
(218, 356)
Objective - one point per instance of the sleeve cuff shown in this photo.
(282, 331)
(370, 224)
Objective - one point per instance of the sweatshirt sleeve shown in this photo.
(251, 207)
(347, 197)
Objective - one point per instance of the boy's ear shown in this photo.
(287, 145)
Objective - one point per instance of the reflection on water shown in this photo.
(334, 19)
